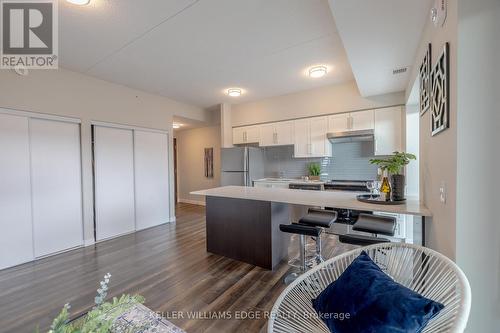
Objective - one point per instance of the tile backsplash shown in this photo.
(350, 161)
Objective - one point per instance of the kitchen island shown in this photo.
(243, 222)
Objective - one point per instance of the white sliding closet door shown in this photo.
(114, 181)
(151, 178)
(16, 238)
(56, 185)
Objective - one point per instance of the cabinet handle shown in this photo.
(245, 136)
(275, 137)
(351, 122)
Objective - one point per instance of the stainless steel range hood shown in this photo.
(351, 136)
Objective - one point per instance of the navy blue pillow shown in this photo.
(366, 300)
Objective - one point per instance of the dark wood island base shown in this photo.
(247, 230)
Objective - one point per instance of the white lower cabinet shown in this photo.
(274, 184)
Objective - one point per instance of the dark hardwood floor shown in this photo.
(168, 265)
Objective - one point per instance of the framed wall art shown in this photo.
(209, 162)
(425, 82)
(440, 93)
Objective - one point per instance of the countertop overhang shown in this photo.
(336, 199)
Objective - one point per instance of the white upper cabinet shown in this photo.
(238, 135)
(276, 134)
(284, 133)
(246, 134)
(310, 137)
(388, 130)
(354, 121)
(363, 120)
(338, 123)
(302, 138)
(267, 135)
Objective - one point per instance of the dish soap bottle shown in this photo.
(385, 188)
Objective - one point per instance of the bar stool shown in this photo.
(312, 225)
(322, 219)
(373, 224)
(302, 231)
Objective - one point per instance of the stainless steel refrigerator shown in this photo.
(241, 165)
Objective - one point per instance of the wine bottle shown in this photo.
(385, 189)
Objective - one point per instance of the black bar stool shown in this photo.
(312, 225)
(373, 224)
(322, 219)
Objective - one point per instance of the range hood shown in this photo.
(351, 136)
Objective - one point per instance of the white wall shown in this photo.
(412, 146)
(438, 153)
(330, 99)
(66, 93)
(478, 159)
(191, 146)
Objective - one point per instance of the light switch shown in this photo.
(442, 192)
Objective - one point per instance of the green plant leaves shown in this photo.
(395, 163)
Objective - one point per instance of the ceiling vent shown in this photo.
(399, 70)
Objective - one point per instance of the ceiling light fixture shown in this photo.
(317, 71)
(176, 125)
(79, 2)
(234, 92)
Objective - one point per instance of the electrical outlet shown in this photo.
(442, 192)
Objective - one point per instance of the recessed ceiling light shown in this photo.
(317, 71)
(176, 125)
(234, 92)
(79, 2)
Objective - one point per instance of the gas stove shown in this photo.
(346, 185)
(346, 216)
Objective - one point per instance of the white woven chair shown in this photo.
(421, 269)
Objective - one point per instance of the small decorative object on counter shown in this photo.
(385, 188)
(314, 171)
(394, 166)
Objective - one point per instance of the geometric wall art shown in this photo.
(440, 93)
(425, 82)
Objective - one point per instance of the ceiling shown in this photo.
(193, 50)
(187, 123)
(380, 36)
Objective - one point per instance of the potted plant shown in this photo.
(314, 171)
(394, 166)
(101, 319)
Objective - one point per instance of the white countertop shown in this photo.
(336, 199)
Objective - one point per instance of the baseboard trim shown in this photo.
(88, 242)
(193, 202)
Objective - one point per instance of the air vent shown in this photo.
(399, 70)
